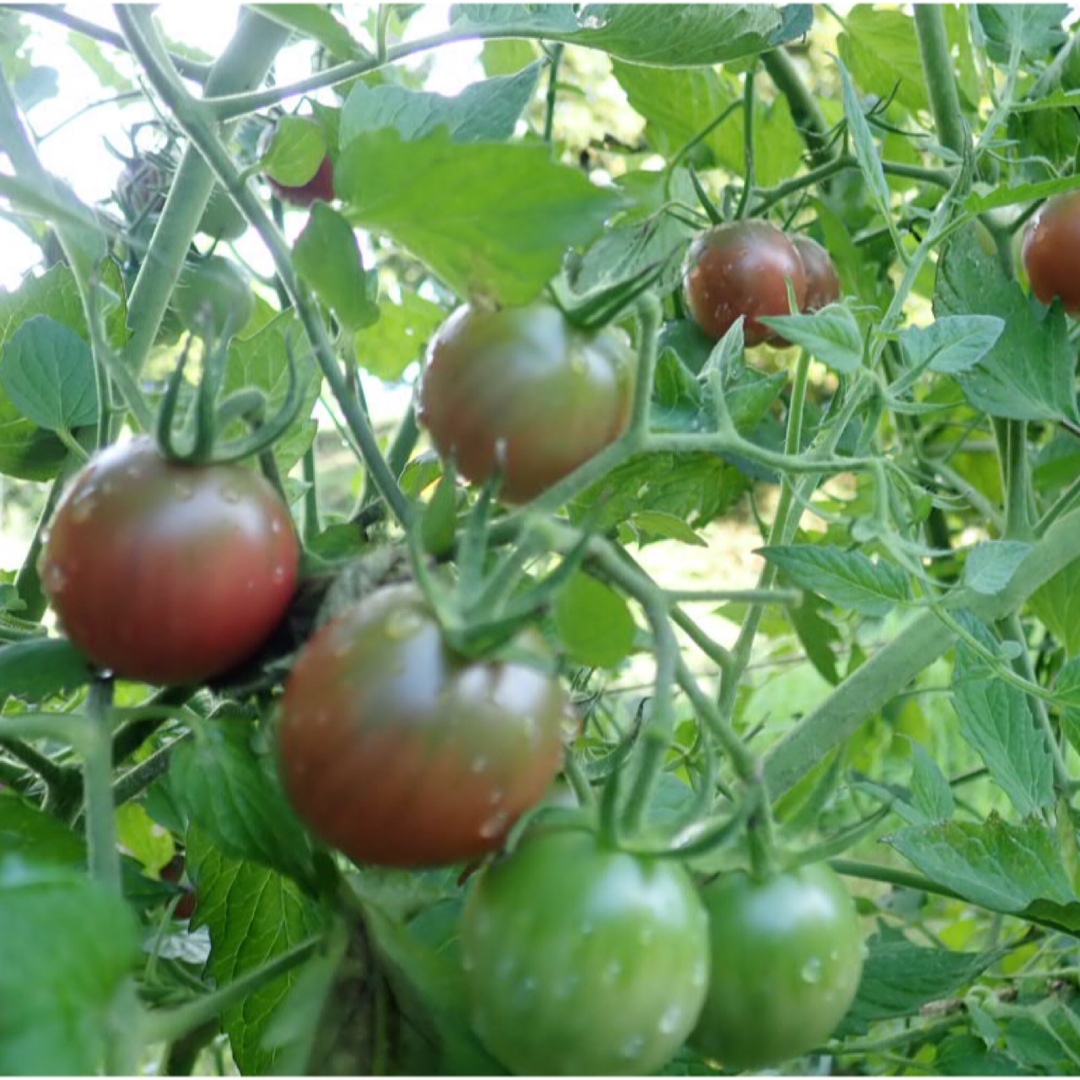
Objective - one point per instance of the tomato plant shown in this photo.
(786, 958)
(581, 959)
(213, 295)
(397, 751)
(822, 280)
(1051, 251)
(319, 187)
(742, 268)
(168, 573)
(554, 395)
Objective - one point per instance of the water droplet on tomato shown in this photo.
(278, 575)
(108, 486)
(479, 764)
(403, 624)
(611, 972)
(811, 970)
(84, 505)
(230, 494)
(699, 976)
(276, 526)
(494, 825)
(496, 795)
(633, 1046)
(670, 1021)
(579, 365)
(184, 490)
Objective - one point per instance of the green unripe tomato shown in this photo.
(581, 959)
(213, 294)
(222, 218)
(786, 958)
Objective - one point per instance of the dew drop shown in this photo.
(479, 764)
(579, 366)
(403, 624)
(184, 490)
(134, 471)
(812, 970)
(699, 977)
(84, 506)
(633, 1046)
(56, 578)
(230, 494)
(278, 575)
(496, 796)
(670, 1021)
(276, 526)
(611, 972)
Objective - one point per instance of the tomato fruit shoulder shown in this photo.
(742, 268)
(396, 751)
(822, 280)
(580, 959)
(552, 394)
(786, 961)
(1051, 251)
(169, 573)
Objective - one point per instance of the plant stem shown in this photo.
(748, 143)
(805, 111)
(97, 788)
(51, 773)
(135, 781)
(552, 91)
(902, 878)
(311, 524)
(1013, 436)
(940, 82)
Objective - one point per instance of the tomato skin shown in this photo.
(319, 187)
(582, 960)
(398, 752)
(169, 573)
(556, 395)
(741, 268)
(786, 961)
(822, 280)
(1051, 251)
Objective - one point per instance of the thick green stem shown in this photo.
(311, 523)
(748, 144)
(242, 65)
(1013, 437)
(552, 92)
(97, 788)
(805, 111)
(940, 81)
(923, 640)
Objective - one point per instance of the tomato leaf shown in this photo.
(847, 578)
(951, 344)
(831, 335)
(881, 51)
(229, 794)
(1057, 603)
(318, 23)
(1036, 28)
(929, 786)
(990, 566)
(488, 218)
(594, 623)
(253, 916)
(484, 111)
(67, 947)
(997, 720)
(1029, 372)
(398, 339)
(328, 256)
(42, 667)
(1013, 869)
(295, 152)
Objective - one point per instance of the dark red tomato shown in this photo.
(580, 959)
(1051, 251)
(169, 573)
(742, 268)
(555, 395)
(174, 873)
(786, 960)
(822, 280)
(397, 751)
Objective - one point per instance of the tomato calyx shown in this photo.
(209, 415)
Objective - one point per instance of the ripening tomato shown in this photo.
(822, 280)
(786, 960)
(582, 959)
(169, 573)
(1051, 251)
(319, 187)
(742, 268)
(397, 751)
(553, 394)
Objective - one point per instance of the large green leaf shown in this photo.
(490, 219)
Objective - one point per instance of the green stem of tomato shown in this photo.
(552, 91)
(97, 788)
(805, 110)
(243, 64)
(748, 143)
(1012, 443)
(311, 524)
(937, 63)
(51, 773)
(189, 115)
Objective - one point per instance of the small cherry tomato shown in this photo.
(786, 960)
(397, 751)
(822, 280)
(169, 573)
(742, 268)
(581, 959)
(1051, 251)
(552, 394)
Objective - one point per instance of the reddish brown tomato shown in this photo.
(552, 394)
(396, 751)
(168, 573)
(319, 187)
(822, 280)
(742, 268)
(1051, 251)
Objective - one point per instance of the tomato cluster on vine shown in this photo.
(744, 269)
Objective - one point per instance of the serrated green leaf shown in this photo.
(847, 578)
(831, 335)
(41, 668)
(862, 140)
(253, 916)
(483, 111)
(327, 256)
(951, 344)
(315, 22)
(399, 337)
(656, 525)
(997, 720)
(594, 623)
(1036, 28)
(929, 787)
(295, 152)
(880, 49)
(991, 565)
(1057, 603)
(490, 219)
